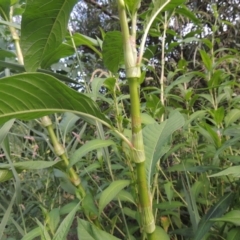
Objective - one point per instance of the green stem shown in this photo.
(139, 158)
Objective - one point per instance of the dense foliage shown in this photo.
(70, 136)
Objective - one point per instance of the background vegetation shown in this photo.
(71, 175)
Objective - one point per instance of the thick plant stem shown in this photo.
(139, 158)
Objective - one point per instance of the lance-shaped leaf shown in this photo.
(33, 95)
(155, 141)
(44, 25)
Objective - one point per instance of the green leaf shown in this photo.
(5, 9)
(30, 165)
(6, 216)
(5, 175)
(43, 29)
(87, 231)
(63, 50)
(215, 211)
(5, 129)
(232, 116)
(6, 54)
(36, 95)
(80, 39)
(132, 5)
(155, 139)
(32, 234)
(110, 192)
(113, 50)
(230, 217)
(20, 68)
(169, 205)
(89, 206)
(44, 233)
(68, 122)
(125, 196)
(53, 219)
(206, 60)
(161, 234)
(65, 225)
(234, 171)
(87, 147)
(233, 234)
(184, 11)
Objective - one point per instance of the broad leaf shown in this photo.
(87, 231)
(215, 211)
(155, 139)
(43, 29)
(110, 192)
(113, 50)
(33, 95)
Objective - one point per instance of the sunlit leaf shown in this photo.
(43, 29)
(113, 50)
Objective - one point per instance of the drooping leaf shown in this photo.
(155, 139)
(87, 231)
(110, 192)
(65, 225)
(43, 29)
(33, 95)
(113, 50)
(215, 211)
(87, 147)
